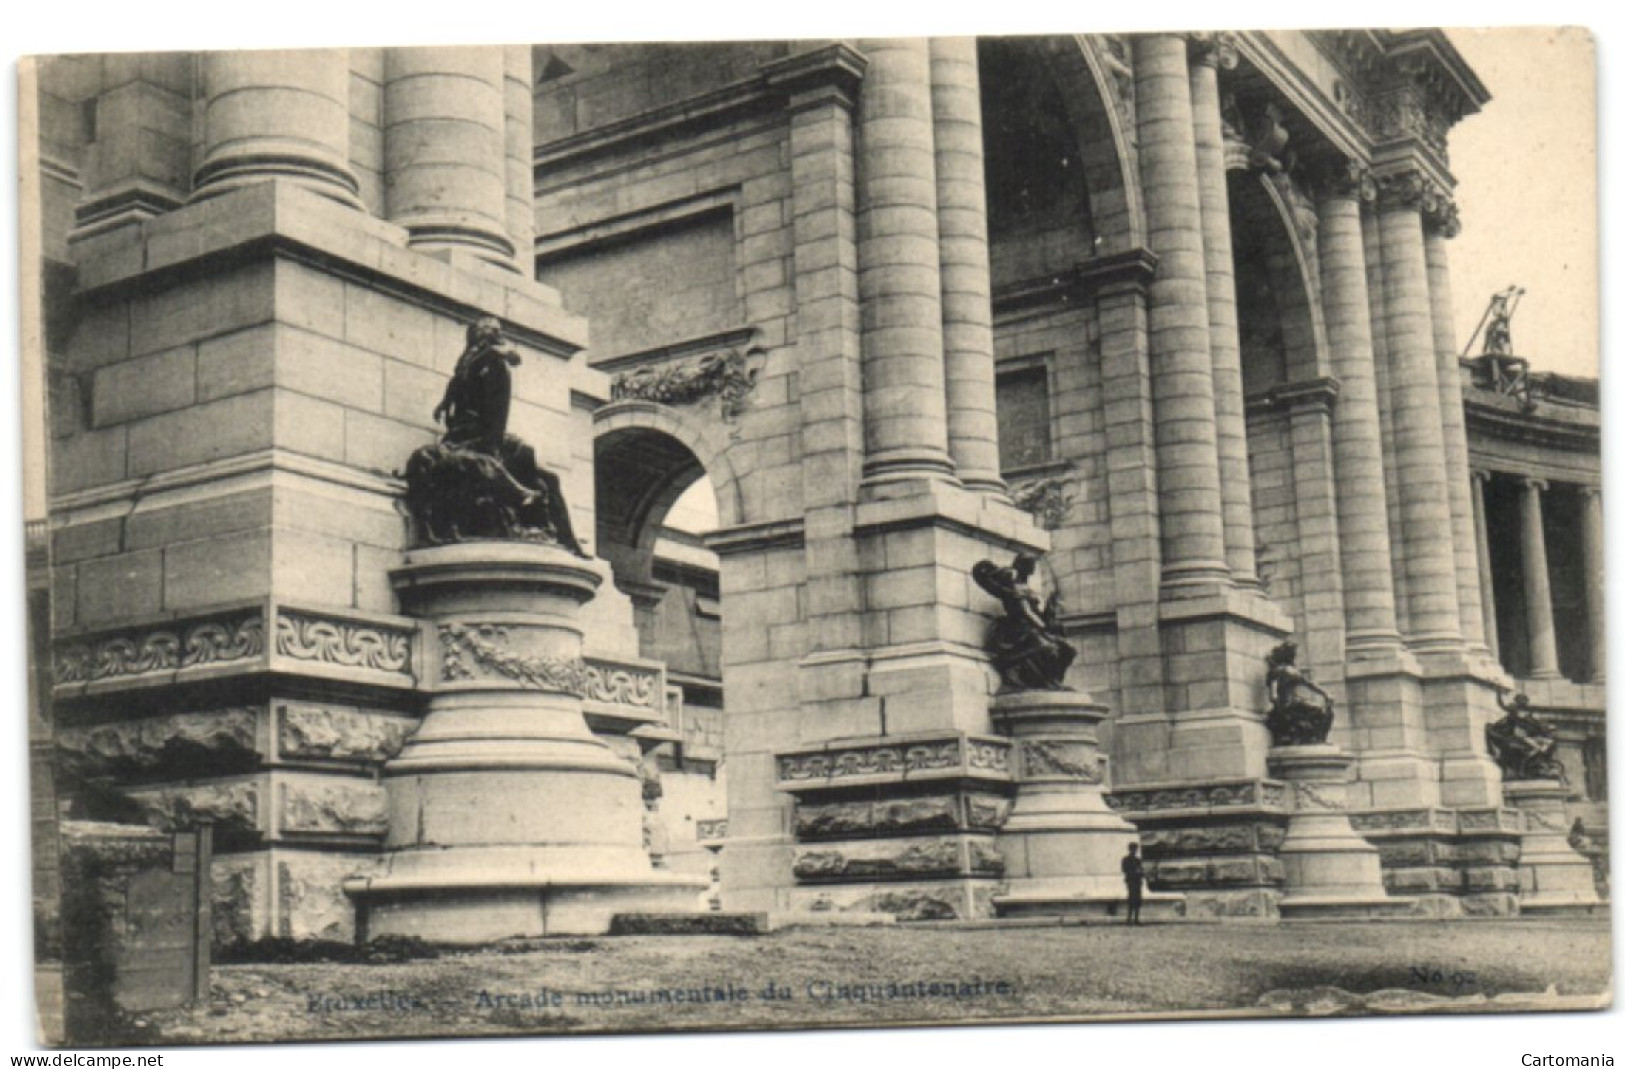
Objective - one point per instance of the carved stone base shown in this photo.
(1330, 870)
(1063, 845)
(900, 824)
(507, 816)
(1554, 878)
(1448, 862)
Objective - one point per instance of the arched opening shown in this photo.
(655, 505)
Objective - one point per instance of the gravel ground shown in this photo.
(841, 977)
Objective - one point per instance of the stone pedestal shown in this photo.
(1552, 876)
(1330, 870)
(1063, 846)
(507, 816)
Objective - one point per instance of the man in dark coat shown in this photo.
(1134, 877)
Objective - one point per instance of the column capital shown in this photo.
(1345, 179)
(1589, 491)
(1481, 475)
(1442, 217)
(1408, 189)
(1213, 49)
(1534, 482)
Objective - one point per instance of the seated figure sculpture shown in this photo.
(1029, 649)
(1300, 712)
(479, 482)
(1521, 744)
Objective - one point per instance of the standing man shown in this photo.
(1134, 877)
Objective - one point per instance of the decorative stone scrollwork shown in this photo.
(994, 756)
(1214, 797)
(349, 645)
(469, 651)
(622, 685)
(726, 376)
(1406, 113)
(169, 649)
(1443, 217)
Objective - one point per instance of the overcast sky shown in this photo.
(1528, 193)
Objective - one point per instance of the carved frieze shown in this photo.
(160, 650)
(727, 376)
(1217, 796)
(988, 757)
(1406, 112)
(483, 651)
(623, 684)
(879, 860)
(347, 644)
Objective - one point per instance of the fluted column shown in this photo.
(967, 305)
(1362, 514)
(445, 149)
(1537, 584)
(1208, 53)
(1591, 552)
(899, 268)
(1413, 386)
(277, 114)
(1441, 225)
(1190, 503)
(1486, 575)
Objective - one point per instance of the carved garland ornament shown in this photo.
(310, 638)
(726, 376)
(122, 656)
(467, 649)
(1043, 757)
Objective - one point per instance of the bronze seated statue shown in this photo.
(479, 482)
(1028, 647)
(1301, 711)
(1522, 744)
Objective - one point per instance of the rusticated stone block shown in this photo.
(986, 810)
(1487, 852)
(880, 859)
(985, 858)
(1490, 905)
(341, 733)
(235, 893)
(1478, 879)
(311, 903)
(233, 807)
(1420, 880)
(1405, 852)
(333, 808)
(917, 905)
(833, 819)
(216, 739)
(1213, 905)
(934, 813)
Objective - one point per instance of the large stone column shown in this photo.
(1426, 524)
(967, 304)
(1362, 515)
(1537, 583)
(899, 268)
(519, 141)
(1441, 225)
(1208, 53)
(445, 150)
(1591, 551)
(1191, 505)
(1486, 575)
(277, 114)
